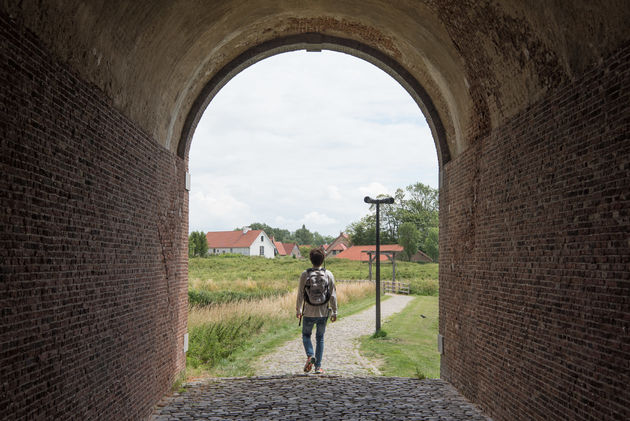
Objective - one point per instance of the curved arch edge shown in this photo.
(316, 41)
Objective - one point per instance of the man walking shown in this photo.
(316, 300)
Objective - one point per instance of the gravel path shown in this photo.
(345, 392)
(341, 354)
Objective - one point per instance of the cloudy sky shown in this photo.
(301, 138)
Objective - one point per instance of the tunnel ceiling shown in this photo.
(479, 62)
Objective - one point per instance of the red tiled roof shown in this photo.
(280, 248)
(222, 239)
(288, 247)
(340, 246)
(340, 243)
(284, 249)
(357, 252)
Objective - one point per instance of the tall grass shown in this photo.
(239, 302)
(281, 307)
(218, 331)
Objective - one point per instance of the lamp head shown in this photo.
(385, 200)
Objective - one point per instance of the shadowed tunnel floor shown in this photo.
(313, 397)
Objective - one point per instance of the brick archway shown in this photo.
(534, 150)
(315, 41)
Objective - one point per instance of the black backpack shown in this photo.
(317, 287)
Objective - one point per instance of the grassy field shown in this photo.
(232, 277)
(242, 307)
(224, 338)
(409, 349)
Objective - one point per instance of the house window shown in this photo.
(262, 250)
(261, 239)
(230, 250)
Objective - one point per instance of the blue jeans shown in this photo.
(307, 329)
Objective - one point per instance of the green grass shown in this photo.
(227, 348)
(257, 277)
(409, 348)
(233, 356)
(213, 342)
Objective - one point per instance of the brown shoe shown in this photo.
(309, 364)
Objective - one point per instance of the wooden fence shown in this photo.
(395, 287)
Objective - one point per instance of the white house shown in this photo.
(247, 242)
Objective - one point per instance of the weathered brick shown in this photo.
(93, 230)
(535, 261)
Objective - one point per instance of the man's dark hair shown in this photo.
(317, 256)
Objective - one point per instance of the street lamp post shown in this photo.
(377, 202)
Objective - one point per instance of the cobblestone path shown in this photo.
(341, 354)
(311, 397)
(346, 392)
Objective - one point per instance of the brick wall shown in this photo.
(535, 257)
(93, 225)
(535, 278)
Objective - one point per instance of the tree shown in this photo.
(301, 236)
(363, 231)
(390, 217)
(305, 251)
(430, 245)
(421, 207)
(279, 234)
(304, 236)
(197, 244)
(319, 239)
(408, 237)
(417, 204)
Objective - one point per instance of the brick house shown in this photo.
(422, 257)
(247, 242)
(339, 244)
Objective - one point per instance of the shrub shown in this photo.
(213, 342)
(424, 287)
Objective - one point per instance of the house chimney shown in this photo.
(245, 229)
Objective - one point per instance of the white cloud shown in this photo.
(216, 210)
(315, 218)
(373, 189)
(302, 138)
(334, 193)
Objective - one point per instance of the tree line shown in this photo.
(300, 236)
(411, 221)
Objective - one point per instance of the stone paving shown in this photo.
(341, 350)
(346, 392)
(312, 397)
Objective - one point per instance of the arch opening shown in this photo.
(315, 42)
(194, 153)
